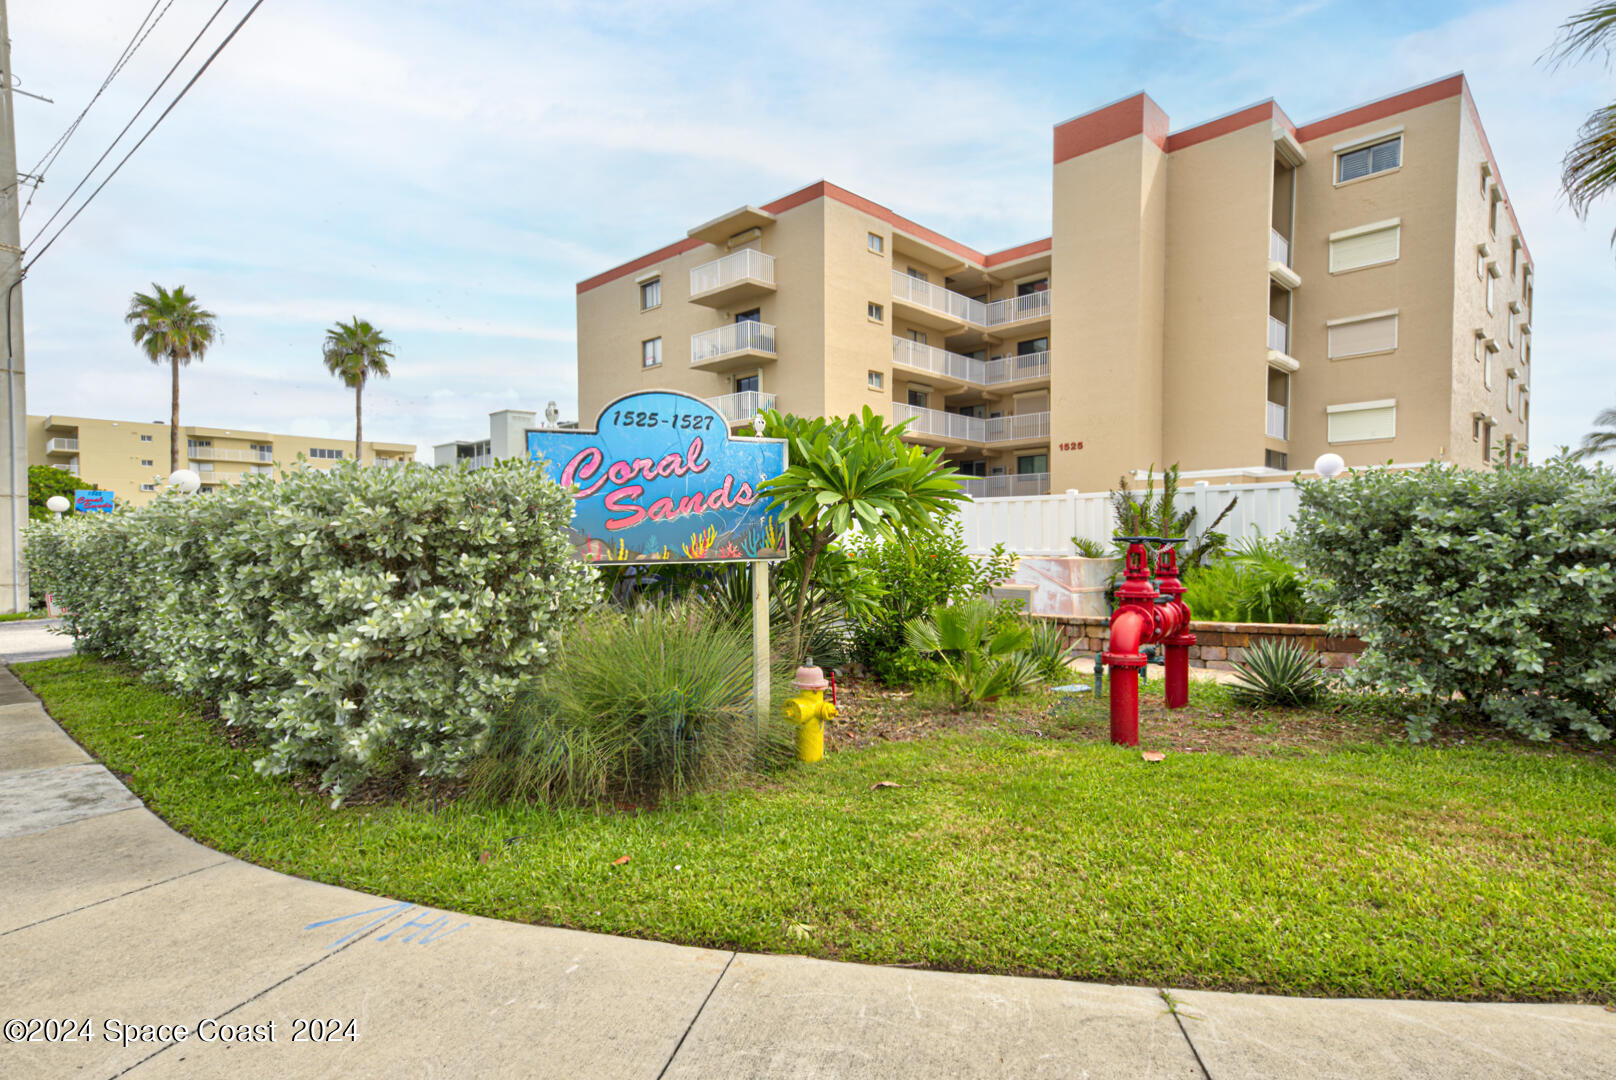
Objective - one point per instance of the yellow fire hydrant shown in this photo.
(809, 710)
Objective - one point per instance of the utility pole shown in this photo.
(14, 454)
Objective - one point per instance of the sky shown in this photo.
(449, 171)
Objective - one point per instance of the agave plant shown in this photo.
(979, 663)
(1278, 672)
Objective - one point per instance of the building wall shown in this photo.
(126, 457)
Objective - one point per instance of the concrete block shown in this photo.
(791, 1017)
(1213, 652)
(1249, 1035)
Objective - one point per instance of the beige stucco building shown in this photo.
(1237, 297)
(131, 459)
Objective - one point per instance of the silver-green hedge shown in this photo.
(358, 619)
(1492, 592)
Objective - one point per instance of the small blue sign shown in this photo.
(92, 500)
(661, 478)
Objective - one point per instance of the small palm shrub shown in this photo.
(644, 702)
(1276, 672)
(1048, 649)
(977, 661)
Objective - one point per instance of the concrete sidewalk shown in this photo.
(112, 920)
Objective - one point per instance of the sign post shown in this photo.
(660, 479)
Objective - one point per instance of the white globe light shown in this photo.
(1329, 466)
(57, 504)
(184, 480)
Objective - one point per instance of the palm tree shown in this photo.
(354, 351)
(1588, 170)
(168, 325)
(1601, 440)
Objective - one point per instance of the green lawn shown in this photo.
(1365, 868)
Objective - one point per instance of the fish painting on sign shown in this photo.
(661, 478)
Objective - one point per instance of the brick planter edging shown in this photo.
(1219, 645)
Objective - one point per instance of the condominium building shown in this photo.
(131, 459)
(507, 438)
(1236, 297)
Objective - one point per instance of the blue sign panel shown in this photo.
(92, 500)
(661, 478)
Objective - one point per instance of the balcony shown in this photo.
(991, 487)
(734, 346)
(937, 426)
(1020, 368)
(742, 275)
(1279, 261)
(61, 446)
(949, 311)
(1016, 309)
(968, 370)
(70, 467)
(742, 407)
(1279, 336)
(209, 453)
(1275, 428)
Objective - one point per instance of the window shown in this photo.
(195, 443)
(1481, 344)
(204, 466)
(875, 380)
(877, 242)
(918, 336)
(1481, 261)
(746, 384)
(1492, 211)
(980, 412)
(1367, 245)
(651, 294)
(146, 463)
(1509, 335)
(651, 352)
(1486, 175)
(1509, 391)
(1514, 256)
(1475, 427)
(971, 468)
(1030, 464)
(329, 455)
(148, 487)
(920, 399)
(1368, 160)
(1362, 335)
(1362, 421)
(1027, 288)
(1526, 407)
(1486, 440)
(1487, 364)
(1276, 459)
(875, 312)
(1492, 275)
(918, 275)
(145, 438)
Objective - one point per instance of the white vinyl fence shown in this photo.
(1045, 524)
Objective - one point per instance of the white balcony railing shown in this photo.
(973, 429)
(742, 407)
(1015, 368)
(1276, 421)
(734, 338)
(989, 487)
(1033, 305)
(744, 265)
(1279, 248)
(61, 446)
(1279, 335)
(210, 453)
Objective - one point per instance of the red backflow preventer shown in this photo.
(1148, 613)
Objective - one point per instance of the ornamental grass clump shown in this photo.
(640, 703)
(360, 621)
(1276, 672)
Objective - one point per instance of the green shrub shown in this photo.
(977, 661)
(1256, 582)
(1150, 514)
(1091, 549)
(1491, 591)
(642, 702)
(1276, 672)
(1047, 646)
(361, 620)
(914, 573)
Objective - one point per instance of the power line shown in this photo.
(56, 148)
(155, 91)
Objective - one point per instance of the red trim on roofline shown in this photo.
(1137, 115)
(1008, 255)
(677, 248)
(1428, 94)
(1262, 112)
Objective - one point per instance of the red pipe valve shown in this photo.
(1148, 613)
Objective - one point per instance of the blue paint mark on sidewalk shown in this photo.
(428, 931)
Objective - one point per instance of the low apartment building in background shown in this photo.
(131, 460)
(507, 438)
(1236, 297)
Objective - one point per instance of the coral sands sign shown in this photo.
(661, 478)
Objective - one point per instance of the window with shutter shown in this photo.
(1368, 160)
(1369, 246)
(1361, 336)
(1362, 420)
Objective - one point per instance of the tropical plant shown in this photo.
(914, 573)
(1049, 649)
(1487, 592)
(1276, 672)
(43, 482)
(977, 662)
(1150, 514)
(1255, 582)
(352, 641)
(355, 351)
(169, 325)
(644, 702)
(1093, 549)
(1588, 170)
(851, 473)
(1601, 440)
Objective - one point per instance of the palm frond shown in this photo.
(1582, 35)
(1588, 170)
